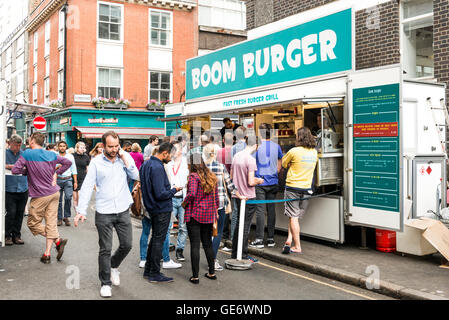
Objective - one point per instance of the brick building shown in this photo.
(414, 33)
(133, 50)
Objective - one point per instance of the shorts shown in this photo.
(295, 208)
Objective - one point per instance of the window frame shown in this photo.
(60, 84)
(35, 47)
(403, 52)
(121, 80)
(170, 31)
(224, 9)
(61, 29)
(34, 93)
(170, 73)
(46, 89)
(47, 39)
(122, 22)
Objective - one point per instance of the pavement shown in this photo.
(397, 275)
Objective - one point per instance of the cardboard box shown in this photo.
(434, 231)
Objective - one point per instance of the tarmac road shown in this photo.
(23, 276)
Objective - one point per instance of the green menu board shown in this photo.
(376, 148)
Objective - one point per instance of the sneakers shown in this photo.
(179, 255)
(171, 265)
(106, 291)
(160, 278)
(218, 267)
(66, 221)
(142, 264)
(253, 260)
(257, 244)
(270, 243)
(226, 249)
(60, 248)
(115, 276)
(45, 259)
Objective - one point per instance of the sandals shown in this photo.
(294, 251)
(214, 277)
(286, 249)
(194, 281)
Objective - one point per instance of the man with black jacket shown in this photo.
(157, 198)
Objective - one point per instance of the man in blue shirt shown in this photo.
(16, 195)
(269, 161)
(157, 197)
(109, 172)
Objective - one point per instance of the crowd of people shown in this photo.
(199, 188)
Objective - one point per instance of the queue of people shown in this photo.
(201, 188)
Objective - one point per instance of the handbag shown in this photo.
(214, 225)
(228, 207)
(136, 207)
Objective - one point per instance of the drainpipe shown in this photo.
(64, 9)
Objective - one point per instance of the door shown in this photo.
(374, 152)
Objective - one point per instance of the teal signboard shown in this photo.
(376, 148)
(318, 47)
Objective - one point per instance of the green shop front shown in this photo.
(89, 124)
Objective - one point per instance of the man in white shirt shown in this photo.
(109, 172)
(154, 140)
(64, 181)
(178, 173)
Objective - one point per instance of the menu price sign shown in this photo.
(376, 151)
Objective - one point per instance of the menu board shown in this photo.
(376, 148)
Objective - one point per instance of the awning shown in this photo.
(123, 133)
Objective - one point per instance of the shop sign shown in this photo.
(315, 48)
(64, 121)
(83, 98)
(104, 120)
(376, 147)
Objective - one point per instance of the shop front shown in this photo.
(88, 125)
(372, 127)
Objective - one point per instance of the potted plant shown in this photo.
(56, 104)
(99, 102)
(112, 103)
(157, 106)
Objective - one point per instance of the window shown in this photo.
(20, 44)
(228, 14)
(47, 67)
(8, 55)
(19, 83)
(109, 82)
(61, 59)
(160, 28)
(46, 90)
(35, 44)
(417, 38)
(61, 29)
(60, 84)
(109, 22)
(35, 74)
(159, 86)
(35, 93)
(47, 38)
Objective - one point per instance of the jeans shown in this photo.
(105, 224)
(66, 192)
(220, 223)
(265, 193)
(146, 227)
(200, 232)
(235, 212)
(15, 203)
(178, 212)
(250, 209)
(160, 223)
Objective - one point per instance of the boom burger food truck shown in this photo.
(381, 144)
